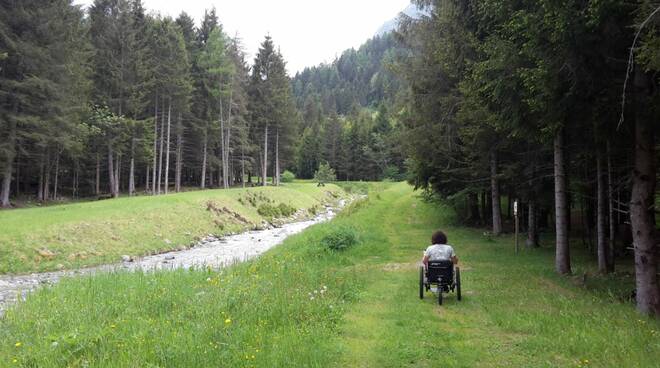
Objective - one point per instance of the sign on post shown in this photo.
(517, 223)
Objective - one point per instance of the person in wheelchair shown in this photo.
(440, 272)
(439, 250)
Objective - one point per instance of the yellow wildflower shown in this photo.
(18, 344)
(227, 321)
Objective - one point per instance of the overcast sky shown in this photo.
(308, 32)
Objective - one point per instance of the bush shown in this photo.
(325, 174)
(270, 211)
(392, 173)
(340, 238)
(287, 177)
(286, 210)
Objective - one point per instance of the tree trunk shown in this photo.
(117, 175)
(6, 175)
(179, 155)
(40, 190)
(562, 253)
(57, 176)
(642, 208)
(6, 185)
(160, 151)
(222, 173)
(610, 210)
(98, 174)
(495, 193)
(167, 150)
(473, 208)
(532, 225)
(601, 216)
(242, 165)
(277, 157)
(46, 194)
(76, 174)
(153, 173)
(131, 174)
(206, 139)
(111, 172)
(265, 163)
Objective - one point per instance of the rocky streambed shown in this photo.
(210, 252)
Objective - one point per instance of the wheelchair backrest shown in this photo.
(441, 270)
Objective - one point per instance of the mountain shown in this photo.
(357, 78)
(411, 10)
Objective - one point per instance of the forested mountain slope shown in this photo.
(357, 78)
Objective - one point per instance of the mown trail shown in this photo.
(515, 312)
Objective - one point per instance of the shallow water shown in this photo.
(215, 253)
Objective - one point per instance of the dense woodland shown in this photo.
(479, 103)
(114, 100)
(522, 99)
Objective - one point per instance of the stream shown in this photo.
(210, 252)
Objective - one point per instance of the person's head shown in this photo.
(439, 237)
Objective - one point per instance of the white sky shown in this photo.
(308, 32)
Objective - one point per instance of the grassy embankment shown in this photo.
(301, 305)
(91, 233)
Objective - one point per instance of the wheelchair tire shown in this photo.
(439, 296)
(458, 283)
(421, 282)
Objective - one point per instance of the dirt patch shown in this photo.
(555, 288)
(219, 211)
(392, 267)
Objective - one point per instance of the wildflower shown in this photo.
(18, 344)
(15, 361)
(227, 321)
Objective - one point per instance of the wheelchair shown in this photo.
(440, 277)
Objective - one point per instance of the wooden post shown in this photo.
(517, 221)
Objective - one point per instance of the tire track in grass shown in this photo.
(391, 327)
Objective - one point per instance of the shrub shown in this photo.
(287, 177)
(392, 173)
(270, 211)
(325, 174)
(340, 238)
(286, 210)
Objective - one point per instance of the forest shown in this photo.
(479, 103)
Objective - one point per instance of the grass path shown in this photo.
(515, 312)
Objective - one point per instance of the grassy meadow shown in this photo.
(92, 233)
(304, 305)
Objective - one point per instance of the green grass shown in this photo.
(91, 233)
(301, 305)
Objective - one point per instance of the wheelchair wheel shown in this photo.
(421, 282)
(458, 283)
(439, 296)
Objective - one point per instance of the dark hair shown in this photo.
(439, 237)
